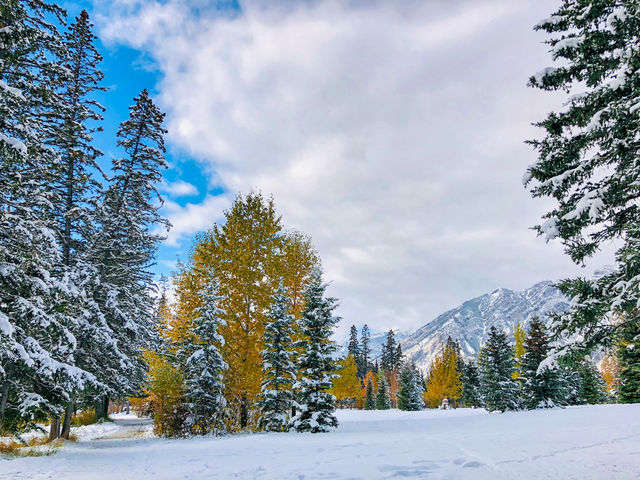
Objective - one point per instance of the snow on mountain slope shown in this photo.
(470, 322)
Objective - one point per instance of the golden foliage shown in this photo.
(443, 380)
(346, 386)
(165, 392)
(249, 254)
(85, 417)
(610, 371)
(519, 334)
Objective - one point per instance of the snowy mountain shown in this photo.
(470, 322)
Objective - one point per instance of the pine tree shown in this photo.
(124, 246)
(365, 351)
(278, 365)
(203, 377)
(410, 392)
(541, 387)
(316, 365)
(588, 162)
(383, 402)
(629, 358)
(497, 388)
(370, 396)
(591, 387)
(37, 363)
(388, 357)
(470, 380)
(353, 349)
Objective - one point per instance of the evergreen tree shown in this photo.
(470, 380)
(388, 357)
(278, 366)
(204, 366)
(541, 387)
(629, 358)
(37, 362)
(410, 392)
(354, 349)
(124, 247)
(398, 357)
(316, 364)
(365, 351)
(498, 390)
(588, 162)
(383, 402)
(591, 386)
(370, 397)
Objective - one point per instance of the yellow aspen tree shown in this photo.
(519, 334)
(346, 385)
(610, 371)
(249, 253)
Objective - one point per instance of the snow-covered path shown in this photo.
(593, 442)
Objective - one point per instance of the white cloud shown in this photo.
(391, 132)
(189, 219)
(179, 188)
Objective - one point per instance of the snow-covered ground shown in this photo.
(591, 442)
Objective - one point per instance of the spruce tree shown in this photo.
(354, 349)
(541, 387)
(203, 376)
(383, 402)
(591, 386)
(388, 357)
(365, 351)
(588, 162)
(411, 389)
(498, 390)
(315, 364)
(470, 384)
(370, 396)
(278, 365)
(124, 246)
(629, 358)
(37, 363)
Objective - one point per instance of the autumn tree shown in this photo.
(346, 384)
(443, 380)
(250, 252)
(519, 334)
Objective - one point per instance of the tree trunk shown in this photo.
(68, 416)
(5, 395)
(101, 406)
(54, 430)
(243, 413)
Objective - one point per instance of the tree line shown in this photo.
(77, 237)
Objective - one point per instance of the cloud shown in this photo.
(179, 188)
(391, 132)
(189, 219)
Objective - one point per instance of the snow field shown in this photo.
(590, 442)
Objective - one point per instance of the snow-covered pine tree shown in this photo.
(591, 386)
(383, 402)
(36, 364)
(124, 247)
(541, 386)
(629, 358)
(588, 162)
(370, 396)
(315, 364)
(73, 187)
(388, 356)
(470, 380)
(354, 349)
(278, 365)
(498, 389)
(204, 389)
(410, 391)
(364, 364)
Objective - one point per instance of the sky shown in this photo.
(390, 132)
